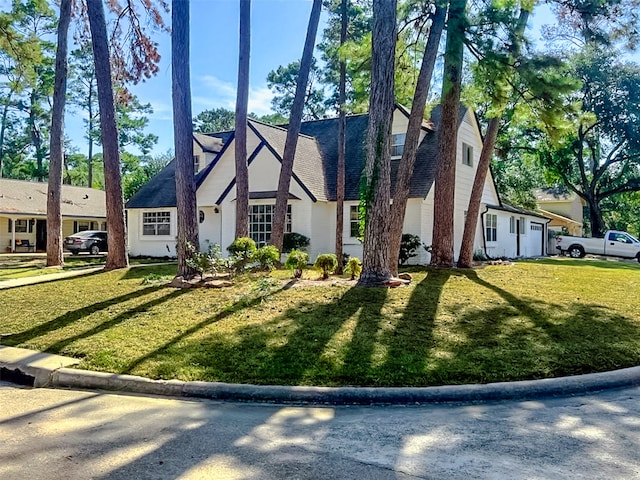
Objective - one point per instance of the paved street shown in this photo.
(51, 434)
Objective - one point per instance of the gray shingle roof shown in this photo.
(159, 192)
(19, 197)
(307, 164)
(554, 194)
(316, 160)
(513, 209)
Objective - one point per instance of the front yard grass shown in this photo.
(499, 323)
(12, 267)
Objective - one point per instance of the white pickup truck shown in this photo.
(614, 244)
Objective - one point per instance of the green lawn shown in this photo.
(524, 321)
(20, 266)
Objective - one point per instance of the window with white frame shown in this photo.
(156, 223)
(21, 225)
(260, 220)
(467, 155)
(491, 227)
(354, 221)
(196, 163)
(397, 144)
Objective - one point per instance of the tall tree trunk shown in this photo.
(295, 120)
(183, 136)
(242, 100)
(116, 230)
(56, 142)
(465, 259)
(444, 188)
(342, 142)
(377, 195)
(598, 228)
(90, 152)
(3, 129)
(36, 136)
(412, 139)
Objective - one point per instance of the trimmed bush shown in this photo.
(267, 256)
(408, 246)
(354, 267)
(326, 263)
(294, 241)
(296, 261)
(242, 251)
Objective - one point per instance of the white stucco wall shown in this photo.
(316, 220)
(150, 245)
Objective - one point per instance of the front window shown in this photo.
(397, 144)
(21, 225)
(82, 226)
(260, 219)
(354, 221)
(492, 228)
(156, 223)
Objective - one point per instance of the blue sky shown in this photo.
(278, 29)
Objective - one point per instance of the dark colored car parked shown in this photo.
(92, 241)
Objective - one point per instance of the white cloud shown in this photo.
(161, 110)
(223, 94)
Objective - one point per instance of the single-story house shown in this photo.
(23, 213)
(564, 208)
(502, 230)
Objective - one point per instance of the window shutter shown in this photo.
(75, 227)
(9, 225)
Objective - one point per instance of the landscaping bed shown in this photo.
(525, 320)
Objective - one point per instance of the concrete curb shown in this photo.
(522, 390)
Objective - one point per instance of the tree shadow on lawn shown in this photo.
(60, 345)
(72, 317)
(281, 350)
(365, 336)
(531, 339)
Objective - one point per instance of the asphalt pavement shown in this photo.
(56, 434)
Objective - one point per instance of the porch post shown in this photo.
(13, 234)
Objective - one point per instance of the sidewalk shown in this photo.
(50, 277)
(46, 370)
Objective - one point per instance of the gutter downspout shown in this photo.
(484, 231)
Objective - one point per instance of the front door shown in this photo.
(41, 235)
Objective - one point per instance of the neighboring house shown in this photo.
(502, 230)
(564, 208)
(23, 213)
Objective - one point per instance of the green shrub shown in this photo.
(326, 263)
(242, 251)
(267, 256)
(205, 262)
(408, 246)
(354, 267)
(294, 241)
(296, 261)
